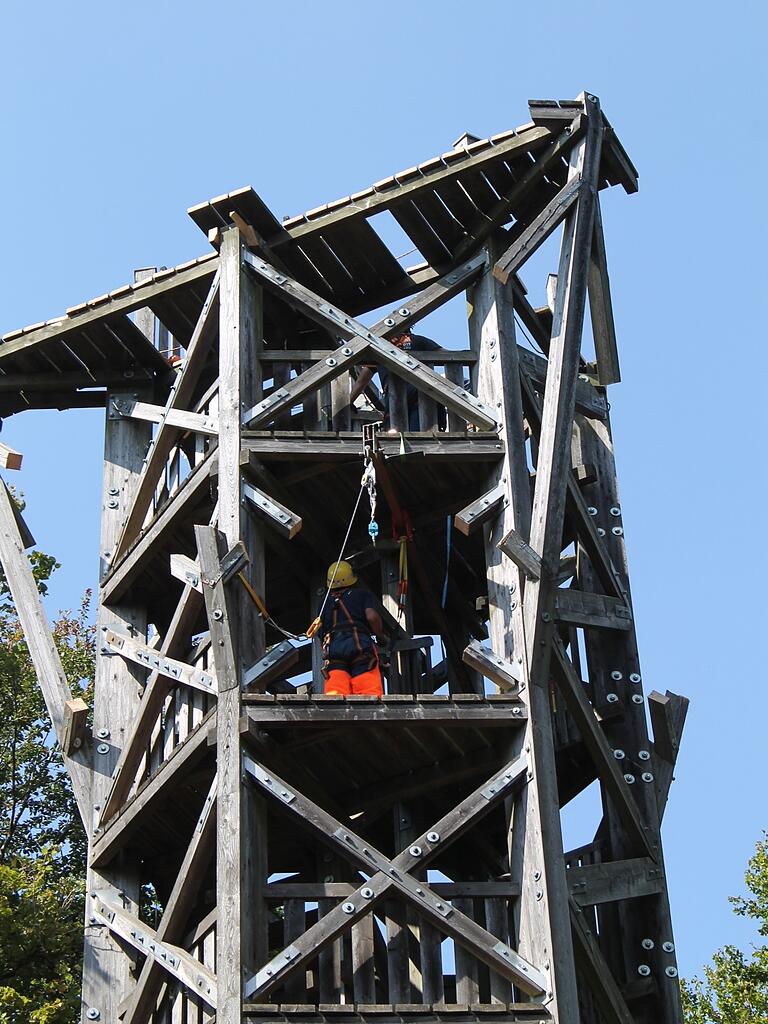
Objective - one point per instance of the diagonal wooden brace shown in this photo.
(506, 675)
(481, 510)
(396, 873)
(149, 658)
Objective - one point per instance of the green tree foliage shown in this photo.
(42, 843)
(734, 989)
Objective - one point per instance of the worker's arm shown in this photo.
(364, 379)
(377, 626)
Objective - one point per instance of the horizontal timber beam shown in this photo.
(592, 884)
(458, 715)
(289, 446)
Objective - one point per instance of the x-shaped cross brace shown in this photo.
(385, 874)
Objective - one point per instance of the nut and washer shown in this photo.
(616, 675)
(644, 755)
(617, 531)
(218, 614)
(346, 351)
(668, 947)
(348, 908)
(433, 837)
(389, 322)
(103, 748)
(404, 311)
(612, 698)
(592, 511)
(618, 754)
(367, 893)
(600, 531)
(615, 510)
(647, 776)
(637, 698)
(629, 778)
(643, 970)
(415, 851)
(330, 361)
(648, 944)
(92, 1013)
(103, 734)
(671, 972)
(634, 677)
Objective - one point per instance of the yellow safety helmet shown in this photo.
(340, 574)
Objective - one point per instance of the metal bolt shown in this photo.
(415, 851)
(348, 908)
(671, 972)
(103, 734)
(612, 698)
(545, 616)
(516, 712)
(668, 947)
(113, 490)
(634, 677)
(330, 362)
(647, 776)
(512, 588)
(536, 875)
(539, 895)
(600, 531)
(346, 351)
(644, 970)
(644, 755)
(629, 779)
(389, 322)
(617, 531)
(103, 748)
(648, 944)
(615, 510)
(404, 311)
(618, 754)
(433, 837)
(616, 675)
(592, 511)
(112, 503)
(218, 614)
(92, 1013)
(637, 698)
(366, 893)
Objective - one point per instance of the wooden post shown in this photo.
(241, 837)
(535, 841)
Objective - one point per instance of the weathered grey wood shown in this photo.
(282, 446)
(167, 434)
(607, 765)
(582, 608)
(481, 510)
(272, 512)
(506, 674)
(178, 907)
(145, 656)
(75, 726)
(272, 666)
(537, 232)
(187, 570)
(188, 495)
(194, 421)
(459, 716)
(312, 891)
(180, 762)
(522, 554)
(533, 818)
(42, 650)
(173, 959)
(154, 694)
(601, 307)
(668, 714)
(593, 966)
(608, 881)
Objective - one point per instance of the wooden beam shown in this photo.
(178, 907)
(182, 393)
(273, 665)
(505, 674)
(522, 554)
(9, 457)
(135, 746)
(182, 759)
(592, 884)
(589, 610)
(389, 716)
(197, 978)
(668, 714)
(123, 575)
(290, 446)
(480, 511)
(601, 307)
(75, 730)
(277, 516)
(187, 421)
(589, 401)
(42, 650)
(531, 237)
(146, 656)
(607, 765)
(593, 966)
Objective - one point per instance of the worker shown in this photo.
(349, 622)
(409, 343)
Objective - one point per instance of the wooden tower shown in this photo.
(262, 852)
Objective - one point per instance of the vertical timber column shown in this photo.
(241, 829)
(535, 844)
(106, 968)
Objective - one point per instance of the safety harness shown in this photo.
(350, 626)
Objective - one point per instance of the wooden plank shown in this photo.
(178, 907)
(279, 517)
(601, 307)
(459, 716)
(166, 435)
(589, 610)
(668, 718)
(589, 401)
(531, 237)
(9, 457)
(274, 664)
(504, 673)
(42, 650)
(521, 553)
(607, 766)
(149, 658)
(75, 726)
(609, 881)
(280, 446)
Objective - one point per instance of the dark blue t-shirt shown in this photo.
(356, 600)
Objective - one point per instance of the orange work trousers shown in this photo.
(340, 682)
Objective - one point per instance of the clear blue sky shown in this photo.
(118, 117)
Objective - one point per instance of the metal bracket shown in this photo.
(268, 781)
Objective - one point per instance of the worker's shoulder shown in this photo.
(421, 343)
